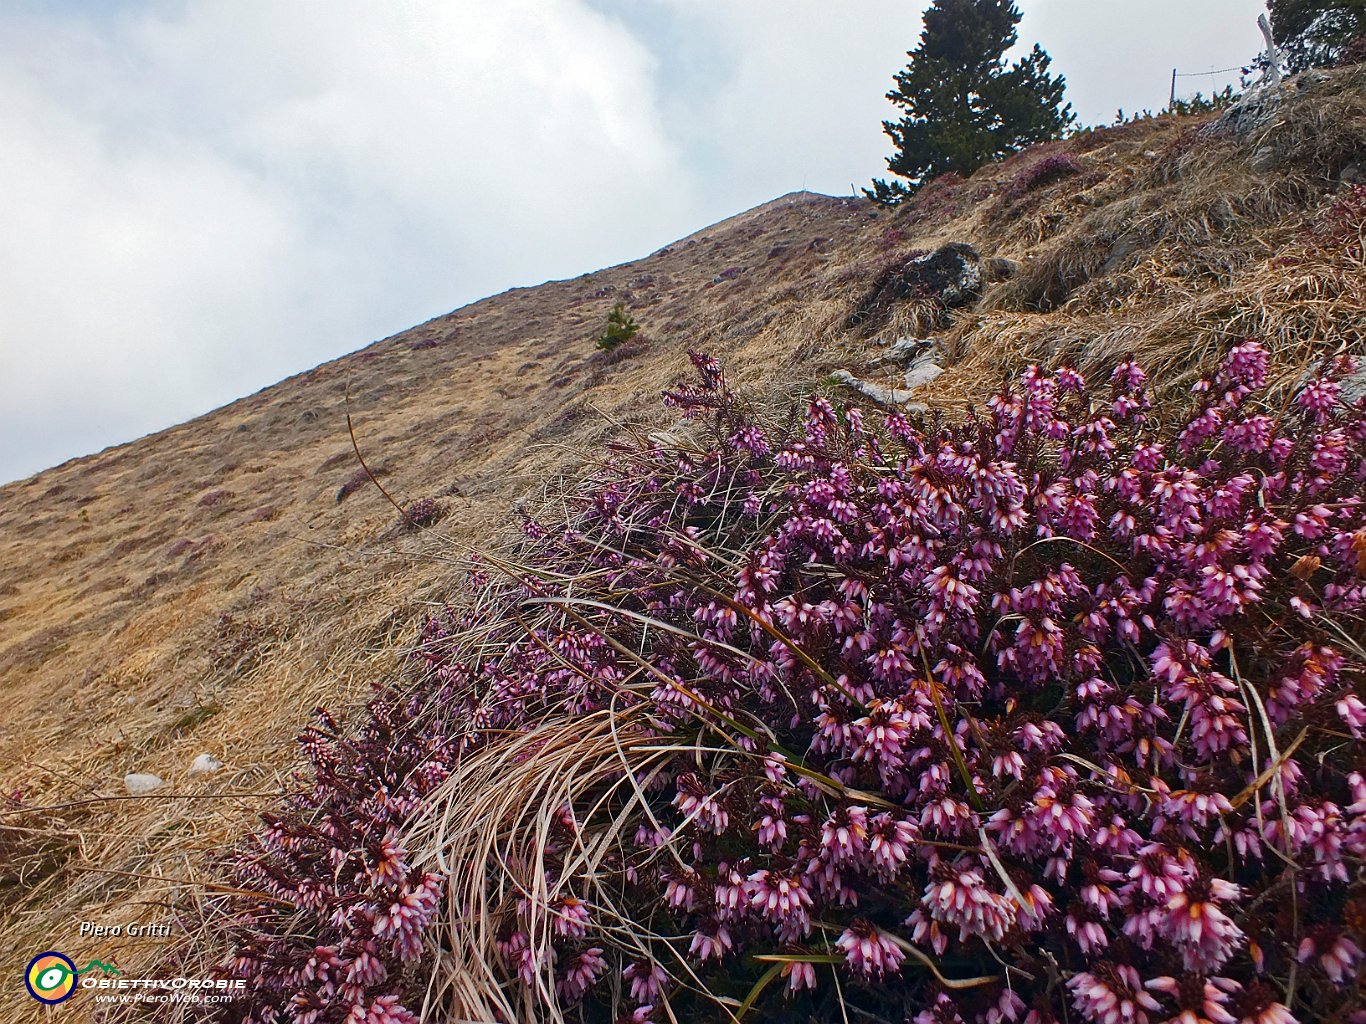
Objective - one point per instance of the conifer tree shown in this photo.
(963, 105)
(1315, 33)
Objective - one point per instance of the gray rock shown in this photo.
(141, 783)
(1353, 387)
(1256, 108)
(951, 276)
(909, 348)
(959, 270)
(1263, 160)
(205, 764)
(1120, 250)
(903, 350)
(1353, 174)
(922, 372)
(878, 393)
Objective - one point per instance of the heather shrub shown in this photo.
(1051, 169)
(422, 513)
(1343, 226)
(1051, 714)
(360, 478)
(1353, 53)
(940, 199)
(215, 497)
(624, 352)
(337, 928)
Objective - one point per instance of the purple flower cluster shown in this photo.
(1050, 169)
(1052, 714)
(422, 513)
(329, 922)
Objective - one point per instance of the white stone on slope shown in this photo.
(140, 783)
(204, 764)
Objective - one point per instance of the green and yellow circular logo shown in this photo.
(51, 977)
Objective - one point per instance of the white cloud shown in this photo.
(777, 95)
(202, 198)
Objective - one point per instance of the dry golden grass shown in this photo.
(117, 570)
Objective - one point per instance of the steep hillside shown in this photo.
(200, 590)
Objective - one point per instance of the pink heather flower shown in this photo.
(1061, 819)
(1246, 364)
(779, 897)
(799, 974)
(384, 1010)
(390, 866)
(405, 919)
(1159, 874)
(711, 940)
(869, 950)
(1112, 994)
(772, 829)
(844, 835)
(1199, 1000)
(579, 973)
(1258, 1003)
(1089, 935)
(696, 801)
(1189, 808)
(731, 892)
(517, 950)
(889, 844)
(681, 891)
(882, 736)
(1318, 397)
(1036, 908)
(1070, 380)
(1353, 713)
(1193, 920)
(1336, 954)
(571, 917)
(961, 897)
(944, 1011)
(647, 980)
(366, 970)
(775, 768)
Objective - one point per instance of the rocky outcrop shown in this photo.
(950, 276)
(919, 359)
(878, 393)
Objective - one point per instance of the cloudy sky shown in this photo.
(200, 197)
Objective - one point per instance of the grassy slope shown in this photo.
(202, 588)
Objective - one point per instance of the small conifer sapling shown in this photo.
(621, 327)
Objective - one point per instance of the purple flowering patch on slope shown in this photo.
(1052, 714)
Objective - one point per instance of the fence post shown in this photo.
(1172, 101)
(1272, 76)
